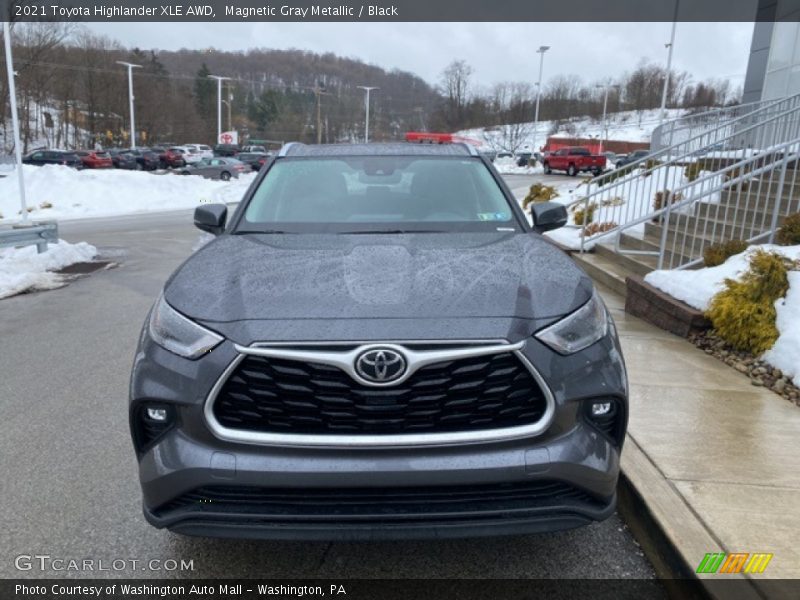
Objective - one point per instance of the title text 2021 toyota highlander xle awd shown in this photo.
(378, 344)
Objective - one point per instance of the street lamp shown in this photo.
(219, 102)
(12, 94)
(605, 86)
(669, 46)
(131, 67)
(367, 89)
(540, 51)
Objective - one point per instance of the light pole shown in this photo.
(540, 51)
(605, 111)
(367, 89)
(670, 46)
(12, 94)
(219, 102)
(131, 67)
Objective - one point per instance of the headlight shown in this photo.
(579, 330)
(171, 330)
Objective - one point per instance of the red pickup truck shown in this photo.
(574, 160)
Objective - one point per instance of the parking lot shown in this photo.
(70, 482)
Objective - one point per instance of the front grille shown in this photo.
(380, 503)
(470, 394)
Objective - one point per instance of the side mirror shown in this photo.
(211, 218)
(548, 216)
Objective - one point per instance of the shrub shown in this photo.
(663, 198)
(44, 205)
(595, 228)
(615, 201)
(789, 233)
(539, 193)
(614, 175)
(585, 214)
(743, 314)
(692, 171)
(716, 254)
(651, 163)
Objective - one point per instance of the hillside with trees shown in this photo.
(73, 93)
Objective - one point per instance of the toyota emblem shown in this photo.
(380, 365)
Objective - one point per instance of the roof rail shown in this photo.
(286, 147)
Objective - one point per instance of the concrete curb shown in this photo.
(679, 525)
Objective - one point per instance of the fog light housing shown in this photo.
(607, 416)
(157, 414)
(601, 409)
(150, 422)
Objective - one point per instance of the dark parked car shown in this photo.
(217, 168)
(226, 150)
(146, 159)
(53, 157)
(632, 157)
(256, 160)
(123, 159)
(95, 159)
(378, 345)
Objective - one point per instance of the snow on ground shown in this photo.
(628, 126)
(785, 354)
(698, 287)
(76, 194)
(508, 166)
(24, 269)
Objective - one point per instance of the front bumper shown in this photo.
(195, 483)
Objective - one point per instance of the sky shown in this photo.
(496, 51)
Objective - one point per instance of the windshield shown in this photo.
(378, 194)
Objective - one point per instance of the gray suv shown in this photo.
(377, 344)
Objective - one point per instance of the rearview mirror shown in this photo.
(211, 218)
(548, 216)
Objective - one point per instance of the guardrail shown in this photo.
(40, 234)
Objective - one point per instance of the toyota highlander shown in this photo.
(378, 343)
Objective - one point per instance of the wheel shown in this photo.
(572, 171)
(185, 173)
(547, 169)
(225, 176)
(139, 167)
(619, 164)
(597, 172)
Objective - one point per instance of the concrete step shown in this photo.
(603, 270)
(633, 264)
(725, 226)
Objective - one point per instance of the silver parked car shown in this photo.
(217, 168)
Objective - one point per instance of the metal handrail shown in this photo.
(784, 123)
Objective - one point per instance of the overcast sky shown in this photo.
(496, 51)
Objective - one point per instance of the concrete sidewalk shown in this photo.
(716, 459)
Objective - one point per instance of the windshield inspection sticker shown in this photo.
(499, 216)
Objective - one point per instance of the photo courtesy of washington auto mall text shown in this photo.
(399, 300)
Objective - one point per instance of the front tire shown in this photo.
(225, 176)
(572, 171)
(547, 169)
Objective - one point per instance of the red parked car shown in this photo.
(172, 157)
(95, 159)
(573, 161)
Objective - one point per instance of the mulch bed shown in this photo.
(761, 373)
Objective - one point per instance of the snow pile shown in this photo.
(25, 270)
(698, 287)
(785, 354)
(88, 193)
(509, 166)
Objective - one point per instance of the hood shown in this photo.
(383, 276)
